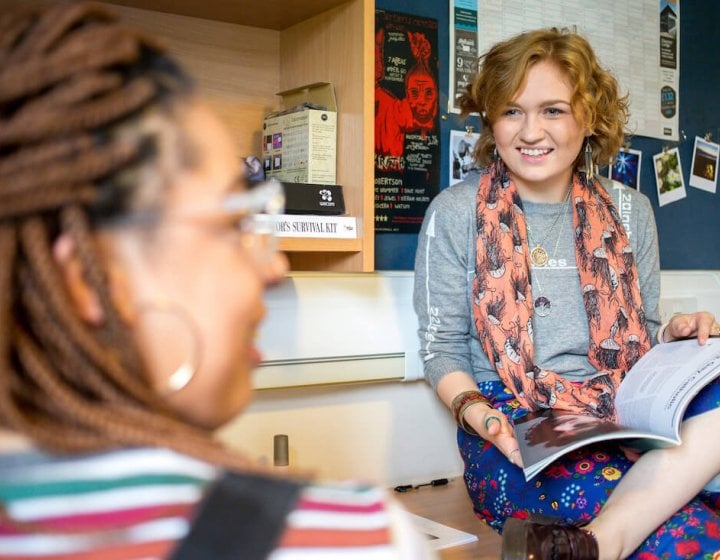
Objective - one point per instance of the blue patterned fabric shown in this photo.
(577, 485)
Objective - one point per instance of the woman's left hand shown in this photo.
(701, 324)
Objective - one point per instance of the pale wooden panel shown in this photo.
(368, 123)
(244, 121)
(229, 60)
(236, 67)
(319, 244)
(325, 261)
(270, 14)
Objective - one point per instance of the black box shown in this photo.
(306, 198)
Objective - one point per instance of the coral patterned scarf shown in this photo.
(503, 303)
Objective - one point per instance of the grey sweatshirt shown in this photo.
(444, 273)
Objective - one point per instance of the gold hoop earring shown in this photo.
(164, 310)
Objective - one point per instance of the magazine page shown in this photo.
(656, 391)
(544, 436)
(651, 402)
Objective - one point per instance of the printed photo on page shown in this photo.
(650, 405)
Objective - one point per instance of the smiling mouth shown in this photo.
(535, 152)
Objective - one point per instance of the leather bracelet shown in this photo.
(463, 398)
(462, 402)
(467, 428)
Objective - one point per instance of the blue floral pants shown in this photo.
(577, 485)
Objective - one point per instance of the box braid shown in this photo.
(70, 77)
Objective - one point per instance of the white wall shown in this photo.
(389, 432)
(689, 290)
(340, 378)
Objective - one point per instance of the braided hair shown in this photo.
(71, 76)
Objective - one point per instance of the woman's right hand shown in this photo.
(493, 426)
(490, 424)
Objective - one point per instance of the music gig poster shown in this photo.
(407, 126)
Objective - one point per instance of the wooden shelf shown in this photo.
(243, 53)
(269, 14)
(314, 244)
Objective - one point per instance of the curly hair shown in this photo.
(596, 100)
(77, 90)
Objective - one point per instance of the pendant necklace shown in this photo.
(542, 305)
(538, 254)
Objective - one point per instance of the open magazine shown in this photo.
(651, 402)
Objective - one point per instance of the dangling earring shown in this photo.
(163, 311)
(589, 166)
(495, 155)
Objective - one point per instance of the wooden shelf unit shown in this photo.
(243, 52)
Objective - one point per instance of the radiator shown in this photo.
(354, 328)
(339, 328)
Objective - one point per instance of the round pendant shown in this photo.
(543, 307)
(539, 256)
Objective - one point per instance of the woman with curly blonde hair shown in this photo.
(537, 287)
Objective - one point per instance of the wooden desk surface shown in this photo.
(451, 506)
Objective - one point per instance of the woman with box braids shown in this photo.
(131, 283)
(66, 77)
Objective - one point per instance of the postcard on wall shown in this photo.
(464, 47)
(669, 177)
(703, 173)
(626, 168)
(462, 145)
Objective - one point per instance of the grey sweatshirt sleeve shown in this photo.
(443, 276)
(647, 258)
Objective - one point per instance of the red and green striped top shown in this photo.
(139, 503)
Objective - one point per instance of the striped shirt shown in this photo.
(139, 503)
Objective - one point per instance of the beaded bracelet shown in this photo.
(462, 402)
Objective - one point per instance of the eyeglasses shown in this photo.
(255, 209)
(250, 211)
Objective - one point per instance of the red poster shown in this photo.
(407, 126)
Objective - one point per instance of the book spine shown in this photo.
(306, 225)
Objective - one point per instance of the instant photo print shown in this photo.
(703, 173)
(463, 154)
(668, 176)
